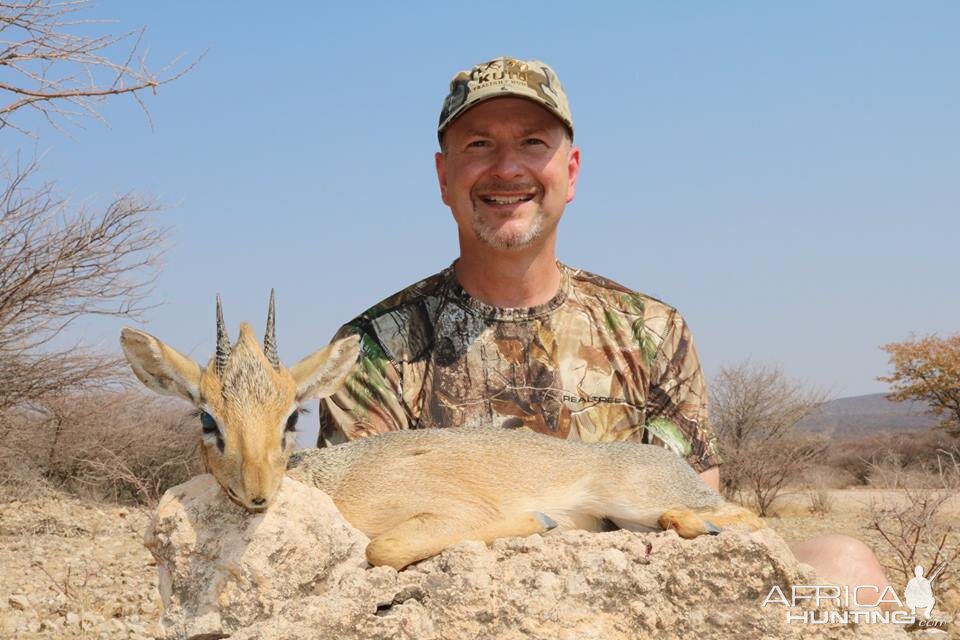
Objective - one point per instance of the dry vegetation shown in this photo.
(65, 421)
(753, 412)
(78, 477)
(121, 447)
(897, 491)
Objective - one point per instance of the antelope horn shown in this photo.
(270, 337)
(223, 340)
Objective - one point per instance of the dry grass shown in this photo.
(821, 502)
(122, 447)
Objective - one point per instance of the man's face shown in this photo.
(507, 171)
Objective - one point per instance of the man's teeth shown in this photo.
(507, 199)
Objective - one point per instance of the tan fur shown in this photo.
(415, 493)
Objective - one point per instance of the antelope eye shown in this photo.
(292, 421)
(208, 423)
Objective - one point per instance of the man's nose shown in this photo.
(507, 164)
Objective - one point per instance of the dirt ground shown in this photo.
(76, 569)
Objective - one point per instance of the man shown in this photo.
(509, 337)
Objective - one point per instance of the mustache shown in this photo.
(500, 185)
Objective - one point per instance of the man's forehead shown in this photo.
(522, 131)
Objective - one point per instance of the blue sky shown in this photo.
(787, 175)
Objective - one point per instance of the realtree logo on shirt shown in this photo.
(593, 399)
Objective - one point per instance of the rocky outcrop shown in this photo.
(298, 571)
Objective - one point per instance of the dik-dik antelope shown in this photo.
(415, 493)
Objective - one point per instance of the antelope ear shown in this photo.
(320, 374)
(159, 367)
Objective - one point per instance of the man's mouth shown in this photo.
(502, 199)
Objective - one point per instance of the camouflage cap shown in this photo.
(502, 77)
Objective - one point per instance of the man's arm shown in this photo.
(677, 400)
(370, 402)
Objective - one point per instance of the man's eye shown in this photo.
(533, 141)
(478, 144)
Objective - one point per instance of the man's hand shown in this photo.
(712, 477)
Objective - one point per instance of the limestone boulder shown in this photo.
(222, 568)
(298, 571)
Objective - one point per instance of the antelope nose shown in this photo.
(259, 501)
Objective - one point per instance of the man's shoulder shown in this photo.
(401, 323)
(593, 289)
(636, 320)
(417, 294)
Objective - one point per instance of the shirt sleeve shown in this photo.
(370, 402)
(677, 399)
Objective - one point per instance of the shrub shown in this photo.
(821, 502)
(118, 446)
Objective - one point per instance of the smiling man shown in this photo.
(509, 337)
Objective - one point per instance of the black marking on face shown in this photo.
(209, 427)
(290, 427)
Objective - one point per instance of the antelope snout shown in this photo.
(256, 503)
(259, 487)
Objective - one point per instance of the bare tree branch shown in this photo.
(59, 261)
(64, 76)
(916, 530)
(58, 264)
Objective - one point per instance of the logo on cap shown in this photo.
(502, 77)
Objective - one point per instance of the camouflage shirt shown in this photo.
(597, 363)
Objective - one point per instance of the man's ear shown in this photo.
(159, 367)
(440, 162)
(321, 374)
(573, 172)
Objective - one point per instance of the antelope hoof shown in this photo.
(545, 520)
(686, 523)
(711, 528)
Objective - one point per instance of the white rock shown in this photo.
(298, 571)
(222, 568)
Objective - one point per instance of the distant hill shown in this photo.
(862, 415)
